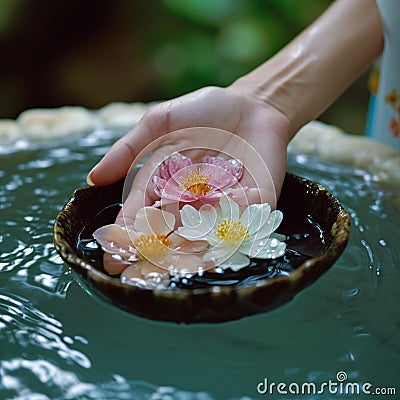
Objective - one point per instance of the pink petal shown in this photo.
(112, 265)
(219, 177)
(233, 166)
(172, 189)
(212, 197)
(176, 178)
(222, 174)
(153, 221)
(172, 199)
(187, 264)
(116, 239)
(131, 272)
(173, 164)
(240, 196)
(173, 193)
(160, 185)
(146, 267)
(142, 268)
(182, 245)
(145, 275)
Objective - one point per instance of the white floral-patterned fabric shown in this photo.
(384, 118)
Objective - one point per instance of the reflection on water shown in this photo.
(57, 342)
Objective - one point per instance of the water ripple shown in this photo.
(54, 383)
(23, 324)
(348, 319)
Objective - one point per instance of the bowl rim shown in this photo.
(331, 253)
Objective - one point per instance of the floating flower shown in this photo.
(182, 180)
(234, 237)
(148, 253)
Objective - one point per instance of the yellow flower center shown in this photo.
(152, 246)
(232, 231)
(196, 183)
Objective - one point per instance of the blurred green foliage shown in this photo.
(91, 52)
(218, 41)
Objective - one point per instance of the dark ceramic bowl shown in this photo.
(300, 199)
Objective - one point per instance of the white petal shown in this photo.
(255, 216)
(153, 221)
(212, 239)
(277, 217)
(229, 208)
(190, 217)
(278, 236)
(236, 262)
(197, 225)
(209, 218)
(273, 252)
(218, 254)
(191, 234)
(270, 226)
(269, 248)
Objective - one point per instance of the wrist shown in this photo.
(306, 76)
(282, 83)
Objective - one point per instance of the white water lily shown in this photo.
(234, 238)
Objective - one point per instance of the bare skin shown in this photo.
(265, 107)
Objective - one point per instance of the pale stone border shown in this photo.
(43, 125)
(328, 143)
(331, 145)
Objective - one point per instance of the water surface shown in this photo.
(58, 342)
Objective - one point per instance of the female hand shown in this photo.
(248, 119)
(264, 107)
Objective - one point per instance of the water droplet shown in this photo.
(274, 243)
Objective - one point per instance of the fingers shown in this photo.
(257, 180)
(137, 195)
(249, 135)
(116, 163)
(138, 188)
(199, 108)
(113, 166)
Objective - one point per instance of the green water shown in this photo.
(58, 342)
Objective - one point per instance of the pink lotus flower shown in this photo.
(148, 253)
(182, 180)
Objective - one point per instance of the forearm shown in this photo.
(306, 76)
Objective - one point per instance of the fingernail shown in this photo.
(89, 177)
